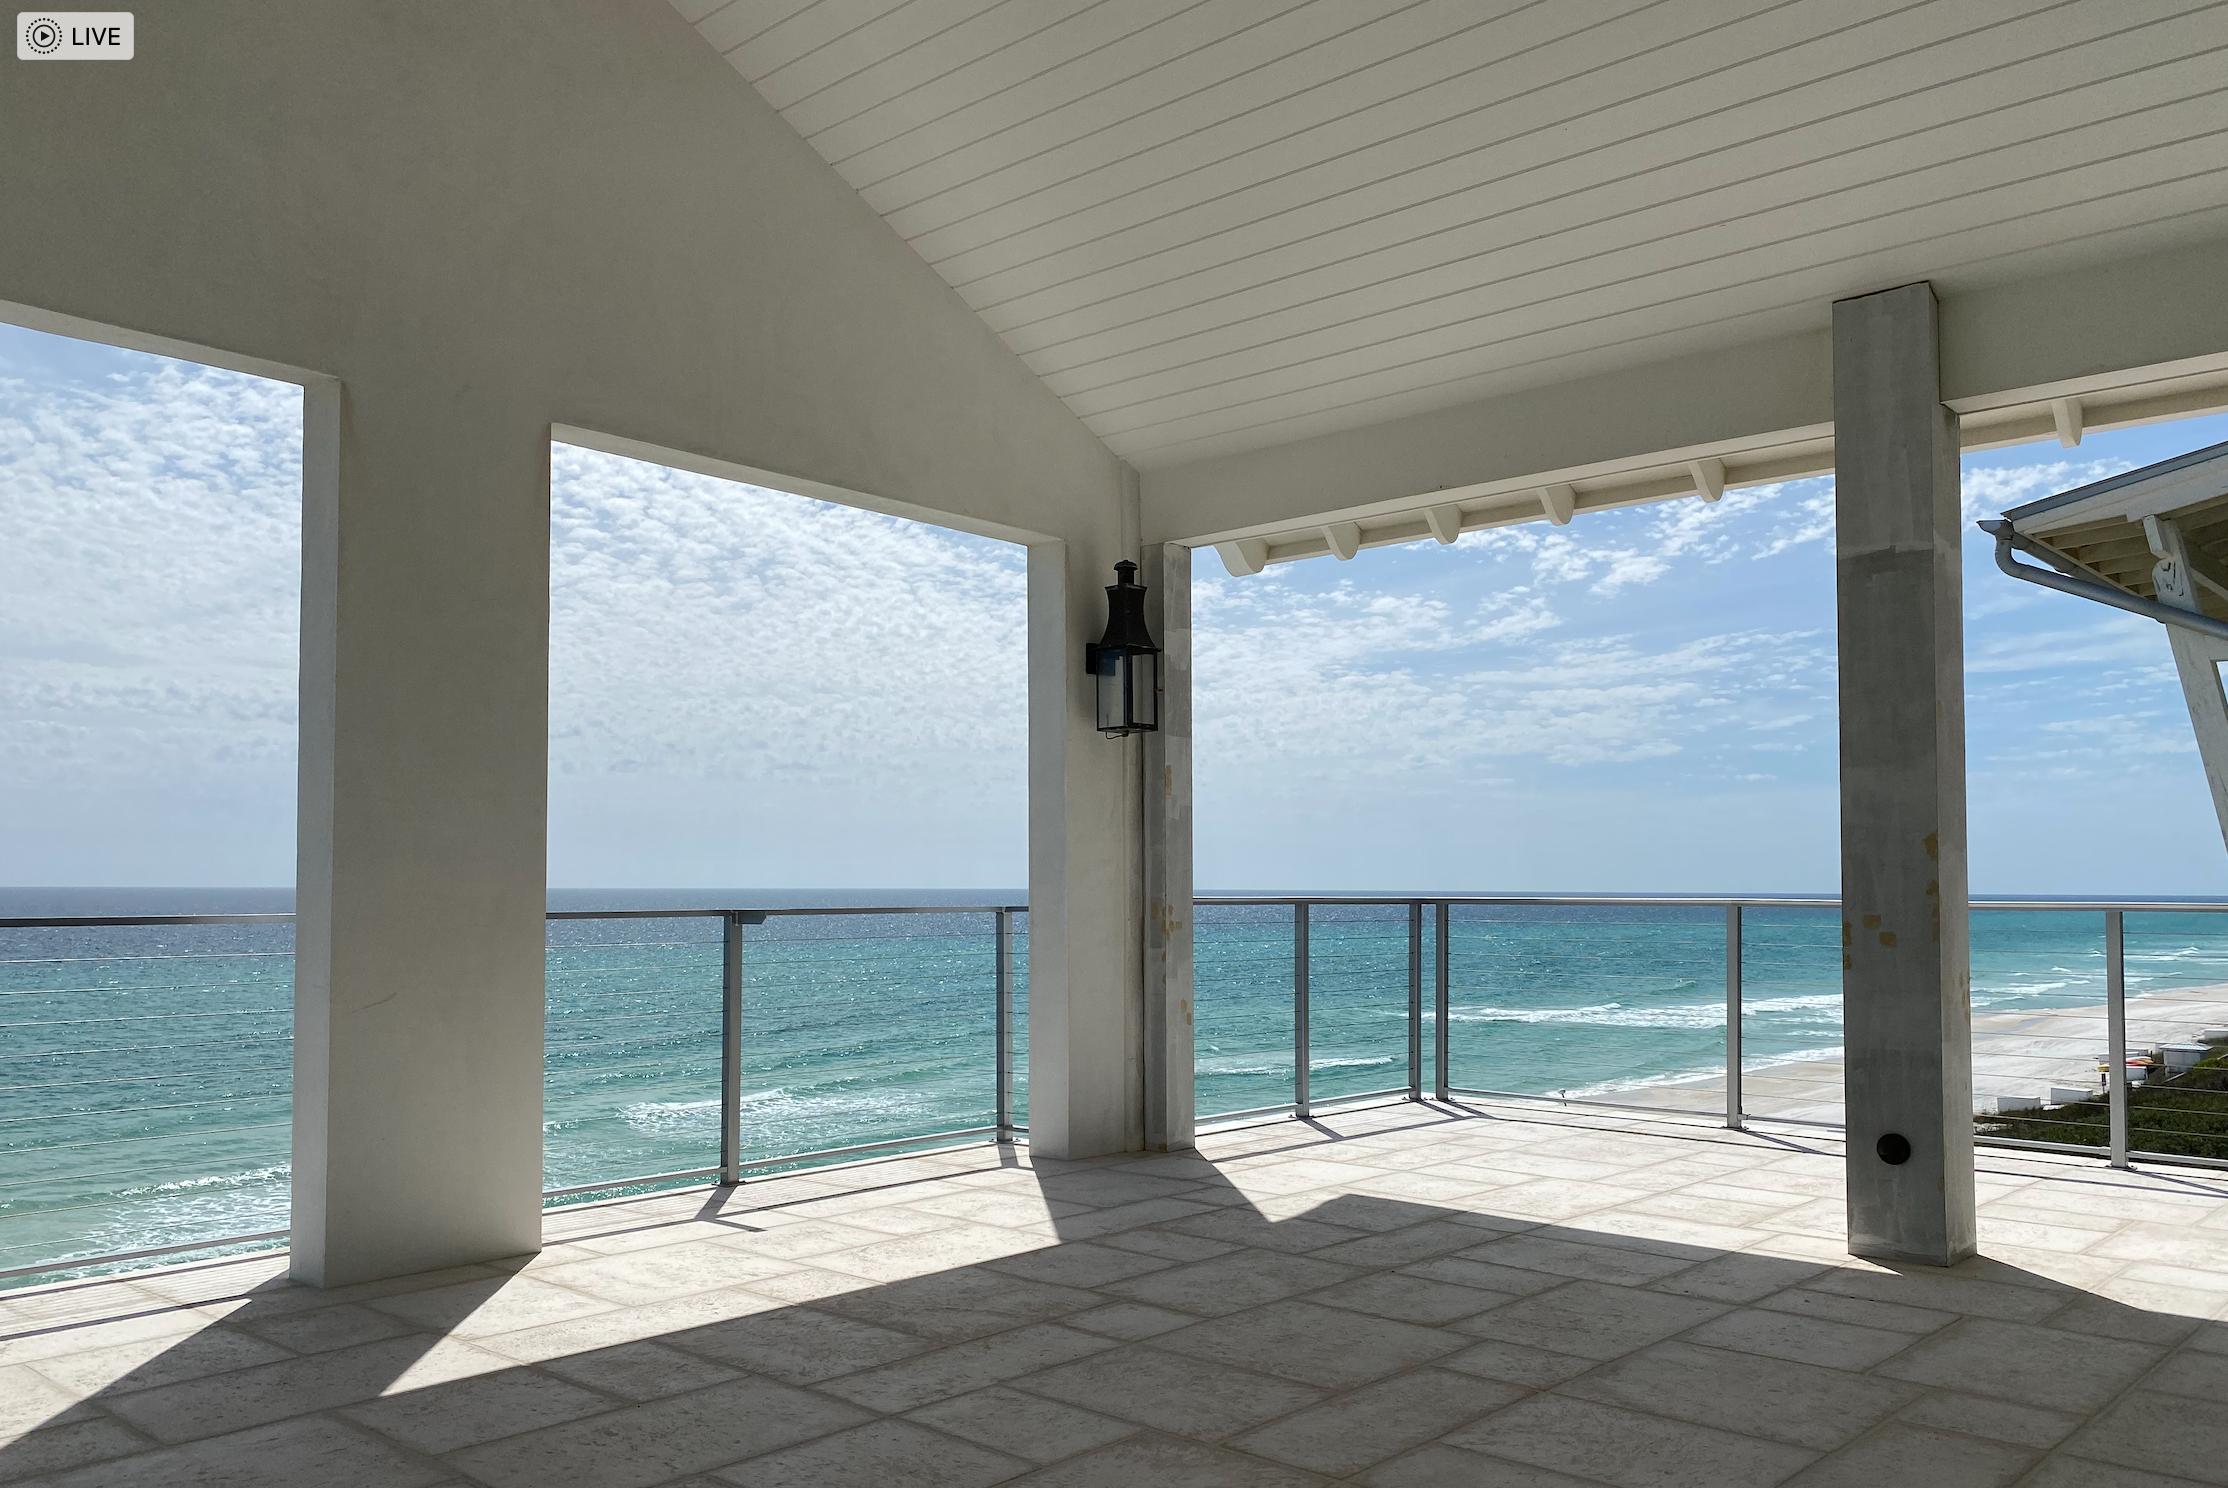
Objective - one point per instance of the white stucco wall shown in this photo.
(463, 224)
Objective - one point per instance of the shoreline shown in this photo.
(2016, 1055)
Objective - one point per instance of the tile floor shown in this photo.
(1405, 1297)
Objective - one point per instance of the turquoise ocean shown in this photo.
(145, 1072)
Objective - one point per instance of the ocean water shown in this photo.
(145, 1072)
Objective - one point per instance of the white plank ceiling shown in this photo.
(1212, 225)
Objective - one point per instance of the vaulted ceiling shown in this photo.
(1213, 225)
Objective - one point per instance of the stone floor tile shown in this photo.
(2155, 1432)
(150, 1362)
(947, 1246)
(1123, 1219)
(464, 1413)
(1787, 1335)
(1250, 1228)
(56, 1449)
(798, 1344)
(1738, 1277)
(1944, 1292)
(874, 1456)
(1556, 1198)
(2017, 1361)
(1231, 1283)
(1998, 1420)
(1484, 1275)
(1626, 1448)
(1079, 1264)
(1563, 1257)
(799, 1241)
(2060, 1470)
(1451, 1467)
(1898, 1453)
(243, 1398)
(1030, 1426)
(1105, 1188)
(1315, 1345)
(668, 1271)
(49, 1339)
(325, 1328)
(1863, 1312)
(1167, 1244)
(961, 1367)
(1403, 1246)
(1409, 1299)
(2197, 1373)
(624, 1325)
(1128, 1321)
(1162, 1463)
(1172, 1392)
(1345, 1434)
(953, 1306)
(29, 1400)
(639, 1445)
(1517, 1364)
(639, 1371)
(1591, 1319)
(291, 1454)
(471, 1308)
(1803, 1405)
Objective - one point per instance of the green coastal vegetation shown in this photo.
(2182, 1115)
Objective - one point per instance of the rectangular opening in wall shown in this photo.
(150, 616)
(791, 733)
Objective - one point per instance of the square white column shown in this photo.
(424, 772)
(1900, 625)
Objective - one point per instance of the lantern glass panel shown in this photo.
(1145, 690)
(1113, 679)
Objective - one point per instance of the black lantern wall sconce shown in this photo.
(1125, 661)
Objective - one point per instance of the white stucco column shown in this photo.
(1085, 950)
(1166, 800)
(1900, 618)
(424, 765)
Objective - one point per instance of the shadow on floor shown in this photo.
(1398, 1305)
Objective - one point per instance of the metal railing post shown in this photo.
(1733, 1115)
(1004, 938)
(731, 1050)
(1299, 1009)
(2115, 1021)
(1415, 999)
(1441, 996)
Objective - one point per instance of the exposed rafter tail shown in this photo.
(1245, 557)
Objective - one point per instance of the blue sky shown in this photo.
(753, 690)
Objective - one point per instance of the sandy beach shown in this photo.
(2016, 1056)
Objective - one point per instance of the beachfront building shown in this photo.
(1120, 282)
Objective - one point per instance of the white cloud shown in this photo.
(150, 577)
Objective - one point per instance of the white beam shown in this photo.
(1558, 501)
(2101, 328)
(1709, 478)
(1445, 522)
(1344, 539)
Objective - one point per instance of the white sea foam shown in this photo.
(1826, 1005)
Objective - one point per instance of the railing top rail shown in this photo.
(1217, 901)
(1667, 901)
(91, 922)
(71, 922)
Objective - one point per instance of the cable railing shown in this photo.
(1521, 1002)
(709, 1045)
